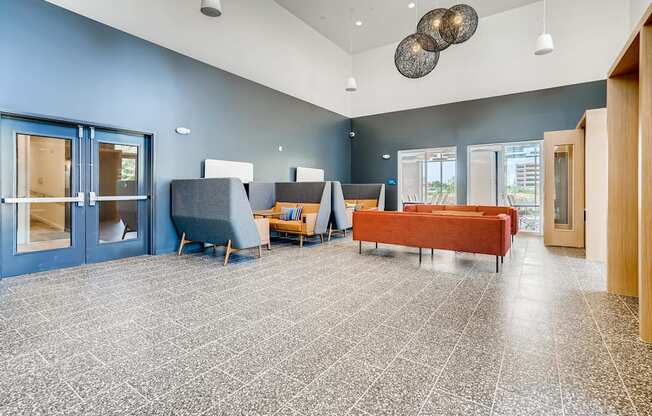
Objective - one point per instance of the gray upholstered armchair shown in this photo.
(214, 211)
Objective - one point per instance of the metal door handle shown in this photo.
(93, 198)
(79, 199)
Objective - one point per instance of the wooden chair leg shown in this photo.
(228, 253)
(300, 240)
(183, 243)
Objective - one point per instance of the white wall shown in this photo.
(499, 59)
(636, 10)
(255, 39)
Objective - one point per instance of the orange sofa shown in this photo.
(488, 210)
(471, 234)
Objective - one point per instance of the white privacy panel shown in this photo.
(310, 175)
(229, 169)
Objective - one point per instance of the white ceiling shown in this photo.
(384, 21)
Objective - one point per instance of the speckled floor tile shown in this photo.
(264, 396)
(308, 362)
(440, 403)
(584, 397)
(197, 396)
(511, 404)
(533, 376)
(400, 390)
(106, 338)
(471, 374)
(381, 346)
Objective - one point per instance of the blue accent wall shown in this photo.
(509, 118)
(60, 64)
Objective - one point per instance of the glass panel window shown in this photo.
(563, 187)
(43, 170)
(428, 176)
(523, 183)
(118, 176)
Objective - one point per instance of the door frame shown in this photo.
(150, 158)
(542, 167)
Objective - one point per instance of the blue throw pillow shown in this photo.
(297, 214)
(286, 214)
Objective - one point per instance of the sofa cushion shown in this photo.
(281, 225)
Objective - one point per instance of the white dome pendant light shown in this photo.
(211, 8)
(351, 83)
(545, 45)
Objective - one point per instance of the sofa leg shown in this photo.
(345, 232)
(183, 243)
(376, 246)
(300, 241)
(330, 232)
(359, 247)
(228, 253)
(260, 252)
(497, 265)
(502, 259)
(269, 246)
(420, 255)
(432, 253)
(321, 238)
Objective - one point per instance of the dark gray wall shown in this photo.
(60, 64)
(493, 120)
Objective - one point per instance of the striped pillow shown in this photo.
(296, 215)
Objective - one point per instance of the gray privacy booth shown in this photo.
(314, 198)
(353, 197)
(214, 211)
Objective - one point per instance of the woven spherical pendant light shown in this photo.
(430, 24)
(459, 23)
(413, 58)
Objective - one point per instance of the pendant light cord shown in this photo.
(544, 17)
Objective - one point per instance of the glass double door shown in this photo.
(70, 195)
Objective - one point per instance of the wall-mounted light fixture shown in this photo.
(386, 156)
(352, 134)
(280, 148)
(184, 131)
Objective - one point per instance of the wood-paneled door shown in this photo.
(564, 188)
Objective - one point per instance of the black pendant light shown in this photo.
(459, 23)
(430, 24)
(413, 58)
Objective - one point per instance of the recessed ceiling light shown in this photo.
(358, 23)
(411, 5)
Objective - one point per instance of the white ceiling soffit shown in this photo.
(384, 21)
(255, 39)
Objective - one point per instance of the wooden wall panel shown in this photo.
(622, 223)
(645, 197)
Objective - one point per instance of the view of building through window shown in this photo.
(523, 183)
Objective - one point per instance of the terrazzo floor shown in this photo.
(324, 331)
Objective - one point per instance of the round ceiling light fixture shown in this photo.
(430, 25)
(413, 58)
(211, 8)
(459, 24)
(545, 44)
